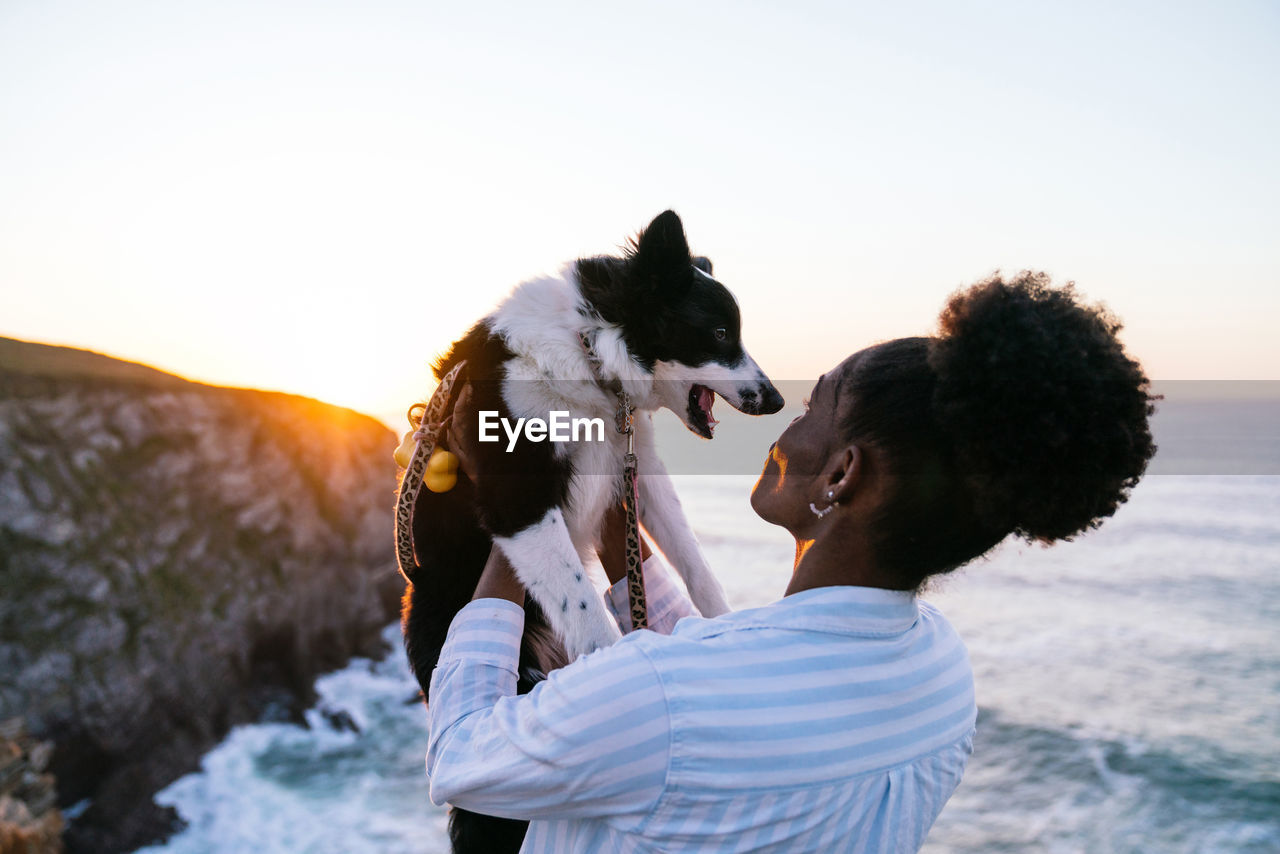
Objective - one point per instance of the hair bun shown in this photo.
(1047, 416)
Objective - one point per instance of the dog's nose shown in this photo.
(760, 400)
(772, 401)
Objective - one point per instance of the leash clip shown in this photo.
(624, 420)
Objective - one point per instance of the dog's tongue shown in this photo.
(706, 399)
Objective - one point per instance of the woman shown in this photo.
(839, 718)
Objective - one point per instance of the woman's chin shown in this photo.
(764, 497)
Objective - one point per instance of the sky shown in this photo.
(320, 197)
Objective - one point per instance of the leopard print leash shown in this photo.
(631, 504)
(625, 423)
(427, 421)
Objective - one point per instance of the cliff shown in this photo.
(176, 558)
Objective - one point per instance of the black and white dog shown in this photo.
(653, 323)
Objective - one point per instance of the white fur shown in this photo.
(541, 322)
(547, 564)
(596, 485)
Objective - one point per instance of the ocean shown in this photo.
(1128, 686)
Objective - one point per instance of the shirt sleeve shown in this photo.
(667, 602)
(592, 740)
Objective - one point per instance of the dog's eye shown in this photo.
(722, 334)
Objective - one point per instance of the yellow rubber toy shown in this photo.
(404, 453)
(442, 471)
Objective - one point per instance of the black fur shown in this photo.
(452, 536)
(668, 312)
(665, 309)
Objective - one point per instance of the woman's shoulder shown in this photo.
(933, 618)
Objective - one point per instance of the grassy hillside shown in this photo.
(46, 360)
(35, 365)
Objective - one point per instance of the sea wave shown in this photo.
(1031, 788)
(1127, 683)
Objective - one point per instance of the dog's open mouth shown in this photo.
(701, 420)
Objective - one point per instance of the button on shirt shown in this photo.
(836, 719)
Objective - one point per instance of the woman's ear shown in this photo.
(845, 476)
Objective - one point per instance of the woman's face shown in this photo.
(795, 471)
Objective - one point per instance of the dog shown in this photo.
(652, 328)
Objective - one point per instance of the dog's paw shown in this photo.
(585, 626)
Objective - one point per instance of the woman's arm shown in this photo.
(498, 580)
(593, 739)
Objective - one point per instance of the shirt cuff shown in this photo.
(667, 602)
(485, 631)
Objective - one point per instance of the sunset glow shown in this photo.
(320, 199)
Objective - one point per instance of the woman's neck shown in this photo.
(834, 557)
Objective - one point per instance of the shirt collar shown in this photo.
(862, 611)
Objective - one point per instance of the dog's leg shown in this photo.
(664, 519)
(548, 565)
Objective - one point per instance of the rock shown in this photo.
(339, 720)
(30, 823)
(177, 558)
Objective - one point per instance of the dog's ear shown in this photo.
(703, 263)
(661, 261)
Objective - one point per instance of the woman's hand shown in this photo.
(499, 581)
(459, 434)
(613, 543)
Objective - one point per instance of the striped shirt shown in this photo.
(836, 719)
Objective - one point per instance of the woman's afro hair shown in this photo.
(1045, 414)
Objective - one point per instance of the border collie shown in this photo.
(652, 323)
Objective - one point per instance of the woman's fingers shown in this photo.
(459, 431)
